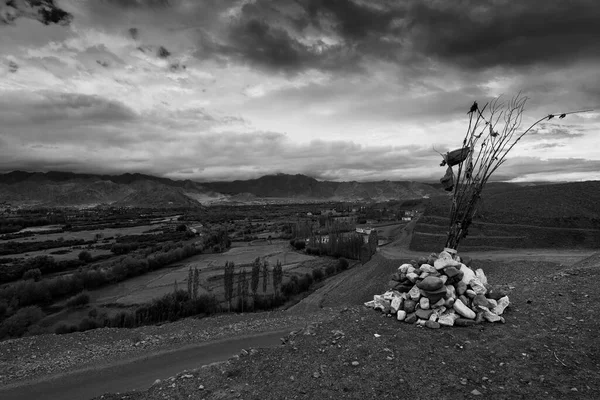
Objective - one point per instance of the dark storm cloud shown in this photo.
(477, 34)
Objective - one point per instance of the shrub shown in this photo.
(78, 300)
(17, 325)
(318, 274)
(85, 256)
(62, 329)
(299, 244)
(86, 324)
(330, 270)
(34, 274)
(342, 264)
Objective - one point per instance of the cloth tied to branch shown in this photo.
(455, 157)
(447, 180)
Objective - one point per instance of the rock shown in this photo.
(428, 268)
(444, 279)
(480, 300)
(414, 293)
(445, 256)
(401, 315)
(389, 295)
(422, 260)
(383, 305)
(464, 299)
(370, 304)
(432, 325)
(431, 259)
(409, 306)
(449, 303)
(423, 314)
(496, 292)
(450, 292)
(424, 303)
(479, 317)
(355, 363)
(411, 276)
(442, 263)
(430, 283)
(423, 275)
(435, 295)
(410, 269)
(436, 313)
(394, 285)
(439, 303)
(502, 304)
(157, 382)
(477, 286)
(461, 288)
(396, 304)
(475, 392)
(447, 318)
(464, 322)
(453, 274)
(481, 276)
(470, 293)
(492, 304)
(403, 269)
(463, 310)
(468, 274)
(489, 316)
(395, 277)
(411, 318)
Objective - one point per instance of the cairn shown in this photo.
(441, 290)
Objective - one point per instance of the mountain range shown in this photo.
(55, 189)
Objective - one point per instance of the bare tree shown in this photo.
(196, 283)
(255, 279)
(265, 275)
(492, 133)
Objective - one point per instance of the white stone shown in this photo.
(396, 304)
(412, 277)
(370, 304)
(468, 274)
(389, 295)
(477, 286)
(493, 303)
(424, 275)
(463, 310)
(448, 318)
(414, 293)
(490, 316)
(481, 276)
(444, 278)
(424, 303)
(450, 292)
(403, 269)
(470, 293)
(445, 255)
(503, 302)
(401, 315)
(428, 268)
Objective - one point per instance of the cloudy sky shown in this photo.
(336, 89)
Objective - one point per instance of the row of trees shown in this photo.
(246, 283)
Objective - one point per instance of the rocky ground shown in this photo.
(39, 356)
(548, 348)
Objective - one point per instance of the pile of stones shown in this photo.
(441, 290)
